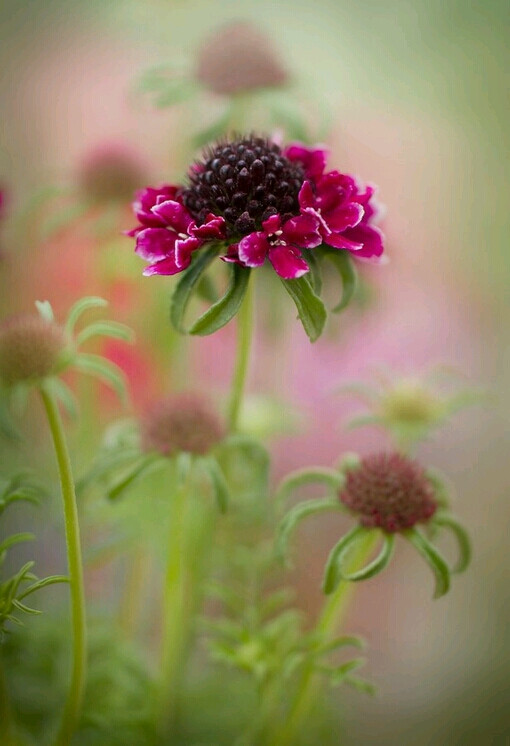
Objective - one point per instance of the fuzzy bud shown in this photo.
(110, 173)
(237, 58)
(389, 491)
(181, 423)
(31, 348)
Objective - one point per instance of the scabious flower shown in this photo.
(389, 491)
(389, 494)
(182, 423)
(236, 58)
(31, 348)
(256, 201)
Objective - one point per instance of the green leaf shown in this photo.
(227, 306)
(339, 642)
(315, 272)
(300, 477)
(101, 368)
(50, 580)
(463, 541)
(377, 565)
(105, 329)
(345, 266)
(186, 285)
(332, 574)
(45, 310)
(361, 685)
(338, 674)
(137, 471)
(15, 539)
(106, 464)
(79, 307)
(433, 558)
(297, 514)
(206, 289)
(218, 483)
(310, 308)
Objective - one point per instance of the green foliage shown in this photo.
(310, 308)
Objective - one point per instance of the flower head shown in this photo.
(31, 348)
(258, 201)
(183, 423)
(389, 491)
(237, 58)
(110, 173)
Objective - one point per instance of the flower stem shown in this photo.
(72, 709)
(327, 626)
(244, 339)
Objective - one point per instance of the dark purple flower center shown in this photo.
(244, 181)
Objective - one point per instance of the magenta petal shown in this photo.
(173, 214)
(302, 231)
(371, 240)
(164, 267)
(183, 250)
(252, 249)
(272, 224)
(287, 262)
(313, 159)
(214, 227)
(306, 196)
(345, 217)
(155, 243)
(145, 199)
(232, 256)
(340, 241)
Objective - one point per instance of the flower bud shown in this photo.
(31, 349)
(110, 173)
(237, 58)
(181, 423)
(389, 491)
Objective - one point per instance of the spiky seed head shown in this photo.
(389, 491)
(184, 422)
(31, 348)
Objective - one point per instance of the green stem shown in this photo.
(72, 709)
(130, 604)
(327, 626)
(244, 339)
(6, 724)
(175, 605)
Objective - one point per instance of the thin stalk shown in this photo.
(326, 628)
(244, 339)
(129, 611)
(72, 708)
(175, 611)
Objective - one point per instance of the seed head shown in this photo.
(181, 423)
(31, 348)
(389, 491)
(412, 404)
(244, 181)
(239, 58)
(110, 173)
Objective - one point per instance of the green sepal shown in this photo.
(105, 329)
(433, 558)
(79, 307)
(226, 307)
(218, 483)
(331, 571)
(376, 566)
(297, 514)
(345, 266)
(300, 477)
(101, 368)
(311, 310)
(463, 541)
(187, 284)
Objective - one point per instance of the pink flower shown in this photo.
(263, 203)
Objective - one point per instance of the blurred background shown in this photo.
(409, 95)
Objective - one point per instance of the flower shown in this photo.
(110, 173)
(256, 201)
(389, 491)
(183, 423)
(31, 348)
(237, 58)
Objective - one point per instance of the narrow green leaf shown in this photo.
(318, 475)
(310, 308)
(79, 307)
(435, 561)
(22, 607)
(45, 310)
(463, 541)
(315, 272)
(227, 306)
(101, 368)
(339, 642)
(105, 329)
(139, 470)
(51, 580)
(332, 570)
(377, 565)
(206, 289)
(106, 464)
(15, 539)
(338, 674)
(296, 515)
(218, 483)
(345, 266)
(361, 685)
(187, 284)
